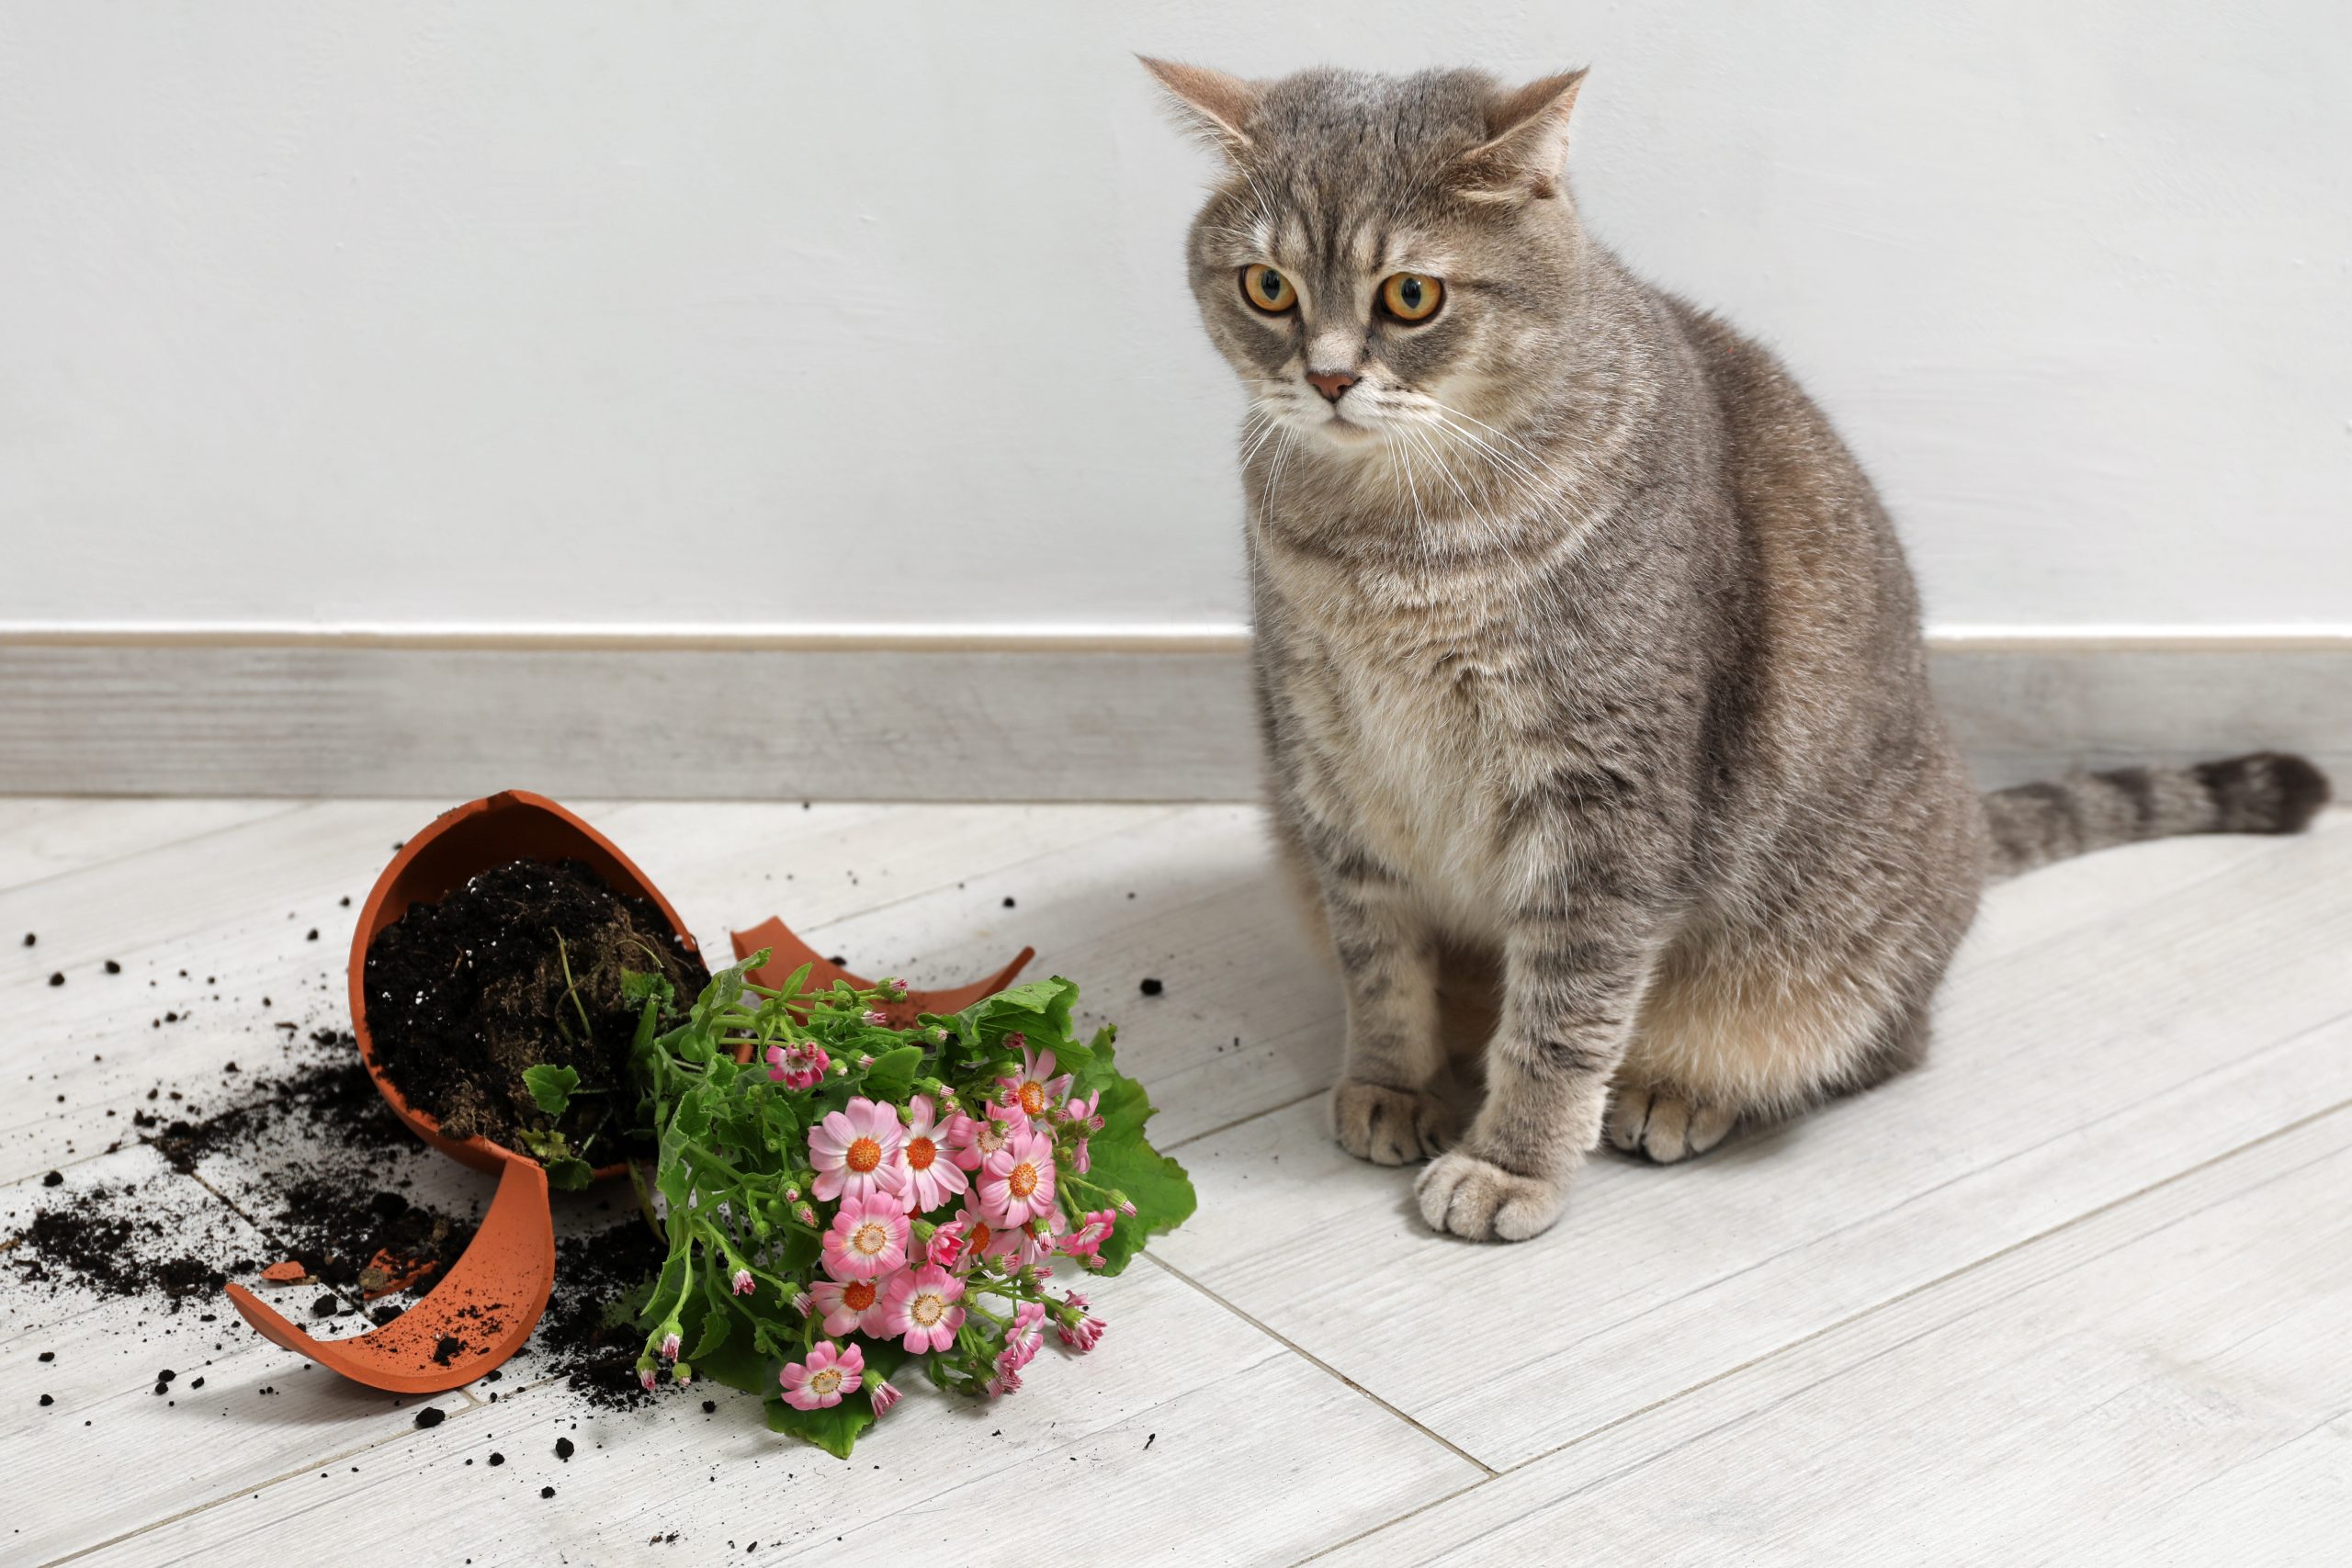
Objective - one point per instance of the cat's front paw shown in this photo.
(1390, 1126)
(1470, 1196)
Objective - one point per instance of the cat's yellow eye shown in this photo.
(1409, 296)
(1267, 289)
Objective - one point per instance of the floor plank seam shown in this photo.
(1312, 1360)
(1877, 1215)
(1417, 1509)
(1923, 1287)
(1245, 1120)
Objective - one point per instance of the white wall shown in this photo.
(588, 310)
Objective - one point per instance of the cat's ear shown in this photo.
(1210, 104)
(1527, 141)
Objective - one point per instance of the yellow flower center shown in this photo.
(981, 1236)
(920, 1151)
(927, 1309)
(1032, 1097)
(1023, 1180)
(863, 1156)
(824, 1382)
(870, 1238)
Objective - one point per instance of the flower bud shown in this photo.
(682, 1372)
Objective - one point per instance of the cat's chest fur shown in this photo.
(1417, 713)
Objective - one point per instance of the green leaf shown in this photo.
(1123, 1159)
(716, 1321)
(1039, 1009)
(551, 1087)
(571, 1173)
(892, 1075)
(638, 989)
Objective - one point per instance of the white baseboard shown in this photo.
(968, 714)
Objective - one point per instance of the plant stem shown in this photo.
(571, 987)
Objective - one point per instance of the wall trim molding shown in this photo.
(1202, 637)
(816, 637)
(969, 713)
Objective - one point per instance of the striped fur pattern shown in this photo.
(2270, 791)
(1588, 664)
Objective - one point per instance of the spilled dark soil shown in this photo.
(300, 1150)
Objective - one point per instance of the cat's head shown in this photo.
(1387, 261)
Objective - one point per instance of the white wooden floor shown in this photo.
(2080, 1291)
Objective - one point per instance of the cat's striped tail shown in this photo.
(2267, 792)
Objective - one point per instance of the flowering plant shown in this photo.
(842, 1197)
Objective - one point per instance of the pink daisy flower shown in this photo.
(850, 1305)
(1021, 1340)
(857, 1152)
(1035, 1087)
(971, 1139)
(1017, 1181)
(829, 1374)
(982, 1240)
(797, 1067)
(919, 1307)
(868, 1238)
(947, 1244)
(933, 1178)
(1087, 1240)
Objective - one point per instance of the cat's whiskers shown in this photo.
(1536, 485)
(1267, 423)
(1423, 441)
(1446, 417)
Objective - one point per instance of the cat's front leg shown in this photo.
(1386, 1107)
(1573, 970)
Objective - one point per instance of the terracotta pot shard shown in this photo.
(490, 1299)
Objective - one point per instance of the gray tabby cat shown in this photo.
(1585, 654)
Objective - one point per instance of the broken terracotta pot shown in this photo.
(486, 1305)
(787, 953)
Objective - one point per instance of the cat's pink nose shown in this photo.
(1330, 383)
